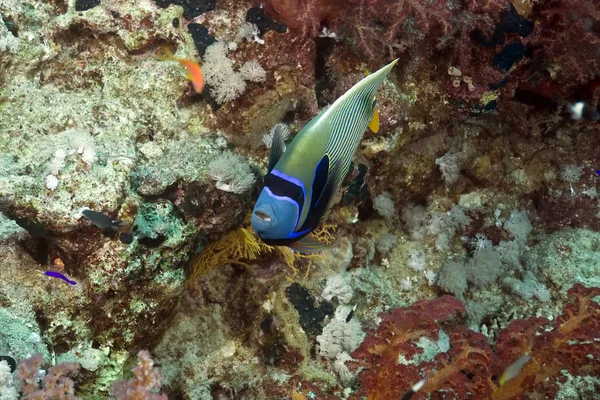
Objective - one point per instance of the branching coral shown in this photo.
(236, 247)
(396, 25)
(567, 33)
(243, 245)
(304, 16)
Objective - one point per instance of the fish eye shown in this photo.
(262, 216)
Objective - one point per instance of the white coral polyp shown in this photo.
(337, 286)
(51, 182)
(339, 335)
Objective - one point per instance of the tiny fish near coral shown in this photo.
(103, 222)
(583, 110)
(302, 181)
(413, 390)
(513, 369)
(194, 72)
(58, 275)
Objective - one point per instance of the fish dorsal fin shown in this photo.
(277, 149)
(349, 117)
(308, 245)
(374, 124)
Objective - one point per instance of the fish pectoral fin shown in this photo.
(320, 180)
(334, 181)
(319, 209)
(277, 150)
(308, 245)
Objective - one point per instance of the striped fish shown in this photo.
(303, 179)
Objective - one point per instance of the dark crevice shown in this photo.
(323, 81)
(535, 99)
(191, 8)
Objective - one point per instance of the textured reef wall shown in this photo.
(467, 233)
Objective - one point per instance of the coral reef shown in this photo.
(481, 182)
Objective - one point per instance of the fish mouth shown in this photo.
(263, 216)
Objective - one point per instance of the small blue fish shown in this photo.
(58, 275)
(597, 172)
(303, 179)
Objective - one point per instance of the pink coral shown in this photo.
(147, 378)
(54, 385)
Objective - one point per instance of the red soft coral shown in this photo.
(568, 34)
(464, 371)
(469, 369)
(573, 345)
(383, 377)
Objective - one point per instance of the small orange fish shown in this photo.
(194, 72)
(59, 264)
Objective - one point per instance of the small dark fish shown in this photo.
(416, 387)
(102, 221)
(126, 237)
(598, 172)
(58, 275)
(10, 361)
(351, 314)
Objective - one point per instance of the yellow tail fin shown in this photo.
(374, 124)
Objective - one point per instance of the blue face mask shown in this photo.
(274, 217)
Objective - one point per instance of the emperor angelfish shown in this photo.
(303, 179)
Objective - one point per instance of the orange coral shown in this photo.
(236, 247)
(242, 245)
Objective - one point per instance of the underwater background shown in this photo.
(463, 246)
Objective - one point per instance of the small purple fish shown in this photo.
(60, 276)
(598, 172)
